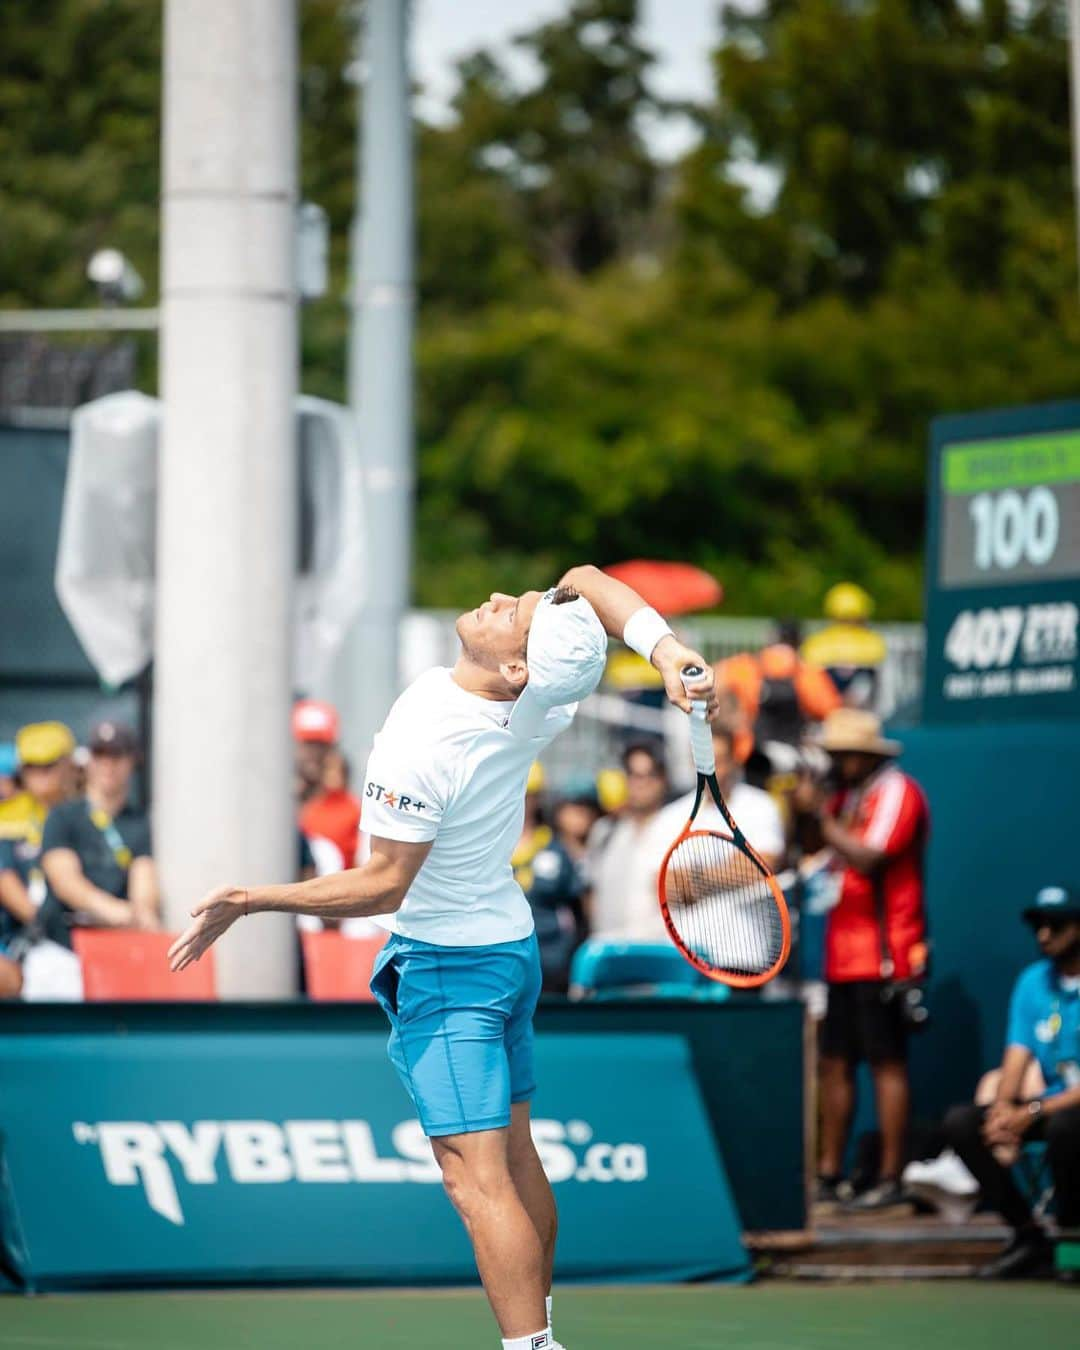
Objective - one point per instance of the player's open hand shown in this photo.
(213, 915)
(669, 657)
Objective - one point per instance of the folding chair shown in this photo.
(125, 966)
(602, 969)
(338, 968)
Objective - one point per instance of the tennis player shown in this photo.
(459, 976)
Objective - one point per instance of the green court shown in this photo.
(766, 1316)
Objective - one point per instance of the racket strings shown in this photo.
(722, 906)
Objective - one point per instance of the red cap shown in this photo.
(314, 721)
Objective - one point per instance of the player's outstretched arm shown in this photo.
(616, 604)
(378, 887)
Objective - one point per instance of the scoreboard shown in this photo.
(1003, 566)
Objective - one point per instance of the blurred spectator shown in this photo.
(777, 693)
(848, 649)
(333, 813)
(96, 851)
(553, 885)
(43, 751)
(17, 914)
(315, 729)
(875, 940)
(1044, 1034)
(755, 812)
(574, 817)
(625, 853)
(8, 768)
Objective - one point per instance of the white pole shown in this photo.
(226, 527)
(380, 371)
(1074, 90)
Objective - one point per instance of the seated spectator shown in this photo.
(755, 812)
(573, 819)
(333, 812)
(848, 649)
(315, 732)
(9, 764)
(43, 751)
(96, 849)
(17, 916)
(1043, 1031)
(553, 886)
(625, 853)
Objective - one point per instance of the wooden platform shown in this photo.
(902, 1246)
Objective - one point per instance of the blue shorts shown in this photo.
(461, 1034)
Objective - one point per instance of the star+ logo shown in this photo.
(397, 801)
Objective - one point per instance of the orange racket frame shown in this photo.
(705, 763)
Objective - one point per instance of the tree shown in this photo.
(888, 125)
(570, 148)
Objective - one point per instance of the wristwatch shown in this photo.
(1035, 1108)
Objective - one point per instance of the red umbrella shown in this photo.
(670, 587)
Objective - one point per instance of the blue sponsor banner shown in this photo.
(250, 1155)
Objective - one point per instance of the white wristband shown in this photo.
(644, 629)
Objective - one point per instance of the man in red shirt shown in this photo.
(876, 826)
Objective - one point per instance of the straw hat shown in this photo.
(856, 730)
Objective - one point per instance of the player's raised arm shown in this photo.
(626, 616)
(378, 887)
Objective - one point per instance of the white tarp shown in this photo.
(105, 557)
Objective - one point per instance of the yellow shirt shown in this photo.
(844, 644)
(22, 817)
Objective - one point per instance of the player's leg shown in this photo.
(532, 1185)
(449, 1010)
(509, 1253)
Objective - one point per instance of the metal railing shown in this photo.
(606, 722)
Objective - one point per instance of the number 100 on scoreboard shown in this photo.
(1003, 576)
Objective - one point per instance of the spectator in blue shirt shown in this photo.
(1044, 1029)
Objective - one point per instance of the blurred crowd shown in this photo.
(816, 788)
(75, 849)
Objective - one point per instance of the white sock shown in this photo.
(547, 1305)
(539, 1340)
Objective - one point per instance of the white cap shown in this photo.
(566, 655)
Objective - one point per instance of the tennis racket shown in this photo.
(724, 909)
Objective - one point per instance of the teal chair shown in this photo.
(602, 969)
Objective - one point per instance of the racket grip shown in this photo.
(700, 732)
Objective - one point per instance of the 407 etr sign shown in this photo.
(1003, 565)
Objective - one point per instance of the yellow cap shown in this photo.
(848, 603)
(535, 782)
(43, 743)
(611, 788)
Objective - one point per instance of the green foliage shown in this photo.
(620, 358)
(80, 128)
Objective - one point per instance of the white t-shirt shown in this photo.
(624, 863)
(753, 810)
(445, 767)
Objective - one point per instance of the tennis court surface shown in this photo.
(767, 1316)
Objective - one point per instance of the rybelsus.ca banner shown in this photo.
(254, 1156)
